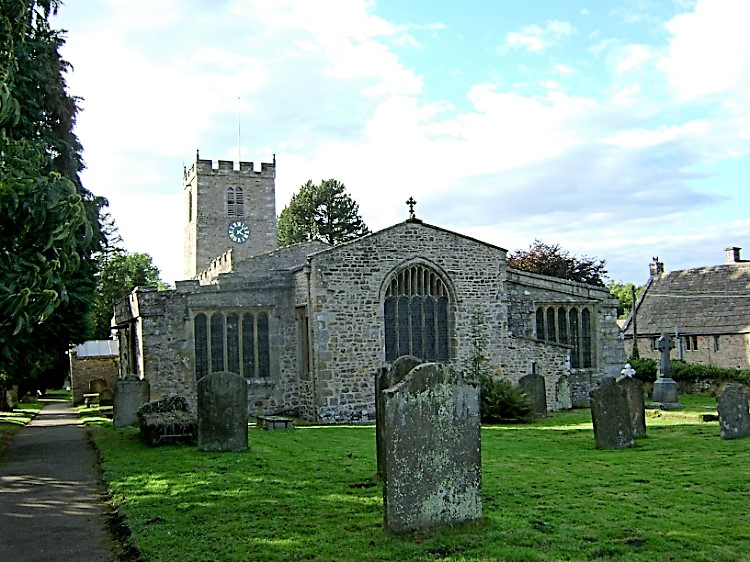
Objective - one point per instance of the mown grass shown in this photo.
(549, 495)
(11, 422)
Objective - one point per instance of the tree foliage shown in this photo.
(552, 260)
(624, 292)
(49, 224)
(321, 212)
(120, 274)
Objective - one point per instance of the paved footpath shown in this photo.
(50, 498)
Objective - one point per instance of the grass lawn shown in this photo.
(11, 422)
(311, 494)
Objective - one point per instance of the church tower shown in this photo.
(228, 208)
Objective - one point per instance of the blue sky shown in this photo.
(619, 130)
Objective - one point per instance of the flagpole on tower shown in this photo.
(239, 137)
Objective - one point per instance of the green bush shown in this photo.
(167, 421)
(502, 401)
(648, 369)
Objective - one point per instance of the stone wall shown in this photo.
(348, 284)
(733, 352)
(84, 370)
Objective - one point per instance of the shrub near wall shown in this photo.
(692, 376)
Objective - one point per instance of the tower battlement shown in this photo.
(229, 167)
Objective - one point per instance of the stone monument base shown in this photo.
(665, 390)
(664, 406)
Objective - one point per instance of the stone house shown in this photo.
(95, 359)
(708, 308)
(309, 326)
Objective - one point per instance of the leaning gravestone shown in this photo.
(734, 418)
(387, 378)
(130, 394)
(610, 414)
(633, 389)
(222, 412)
(533, 386)
(432, 450)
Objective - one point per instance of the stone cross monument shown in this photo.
(665, 389)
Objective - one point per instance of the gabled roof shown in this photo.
(704, 300)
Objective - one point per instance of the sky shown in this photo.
(619, 130)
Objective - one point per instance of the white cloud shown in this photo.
(535, 38)
(709, 52)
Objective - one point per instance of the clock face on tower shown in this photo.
(238, 232)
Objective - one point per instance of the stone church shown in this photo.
(308, 326)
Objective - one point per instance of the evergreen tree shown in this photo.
(121, 273)
(49, 224)
(545, 259)
(321, 212)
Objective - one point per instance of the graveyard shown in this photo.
(548, 493)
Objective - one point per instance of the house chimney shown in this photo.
(732, 254)
(656, 267)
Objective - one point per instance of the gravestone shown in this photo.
(734, 418)
(533, 386)
(130, 394)
(222, 412)
(432, 450)
(562, 392)
(387, 378)
(97, 385)
(106, 396)
(664, 394)
(633, 389)
(610, 414)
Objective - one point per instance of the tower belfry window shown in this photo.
(235, 202)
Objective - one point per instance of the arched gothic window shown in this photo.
(235, 202)
(230, 341)
(416, 315)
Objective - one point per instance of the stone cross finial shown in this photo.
(628, 371)
(665, 344)
(411, 202)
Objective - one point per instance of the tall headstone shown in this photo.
(130, 394)
(562, 392)
(432, 450)
(633, 389)
(664, 394)
(222, 412)
(387, 378)
(533, 386)
(734, 418)
(610, 414)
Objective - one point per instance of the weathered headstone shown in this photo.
(432, 450)
(388, 378)
(533, 386)
(106, 396)
(664, 394)
(130, 394)
(97, 385)
(562, 392)
(633, 389)
(613, 428)
(222, 412)
(734, 418)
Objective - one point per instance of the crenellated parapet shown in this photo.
(221, 264)
(207, 166)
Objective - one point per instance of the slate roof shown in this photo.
(97, 348)
(704, 300)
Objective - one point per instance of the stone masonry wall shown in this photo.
(733, 352)
(83, 371)
(346, 313)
